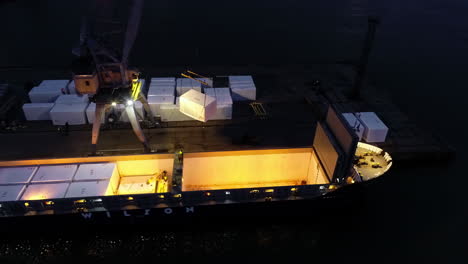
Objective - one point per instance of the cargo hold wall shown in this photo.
(250, 169)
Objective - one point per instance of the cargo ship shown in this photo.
(150, 186)
(91, 187)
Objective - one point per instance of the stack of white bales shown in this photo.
(243, 88)
(186, 84)
(37, 111)
(13, 181)
(198, 106)
(47, 91)
(42, 99)
(69, 108)
(375, 130)
(223, 102)
(161, 92)
(50, 182)
(355, 124)
(94, 179)
(171, 112)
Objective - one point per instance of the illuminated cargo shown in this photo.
(251, 169)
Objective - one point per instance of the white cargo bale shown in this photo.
(161, 91)
(155, 103)
(171, 113)
(54, 83)
(137, 185)
(44, 94)
(186, 84)
(197, 105)
(74, 114)
(99, 171)
(210, 92)
(163, 80)
(11, 192)
(223, 112)
(223, 96)
(89, 189)
(243, 88)
(16, 175)
(240, 79)
(54, 173)
(139, 110)
(37, 111)
(45, 191)
(375, 130)
(355, 124)
(243, 92)
(72, 99)
(90, 113)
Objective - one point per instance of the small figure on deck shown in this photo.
(67, 127)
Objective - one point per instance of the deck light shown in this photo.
(114, 104)
(129, 102)
(26, 204)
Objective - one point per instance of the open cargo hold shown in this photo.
(37, 111)
(55, 173)
(16, 175)
(251, 169)
(98, 172)
(45, 191)
(137, 185)
(375, 130)
(355, 124)
(89, 189)
(11, 192)
(73, 114)
(197, 105)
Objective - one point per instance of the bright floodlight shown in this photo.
(129, 102)
(114, 103)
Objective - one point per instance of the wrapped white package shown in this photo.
(11, 192)
(197, 105)
(16, 175)
(186, 84)
(89, 189)
(54, 173)
(37, 111)
(45, 191)
(375, 130)
(99, 171)
(155, 103)
(74, 114)
(71, 99)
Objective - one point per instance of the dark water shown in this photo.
(420, 56)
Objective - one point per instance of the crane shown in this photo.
(101, 70)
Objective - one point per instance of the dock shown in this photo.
(289, 95)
